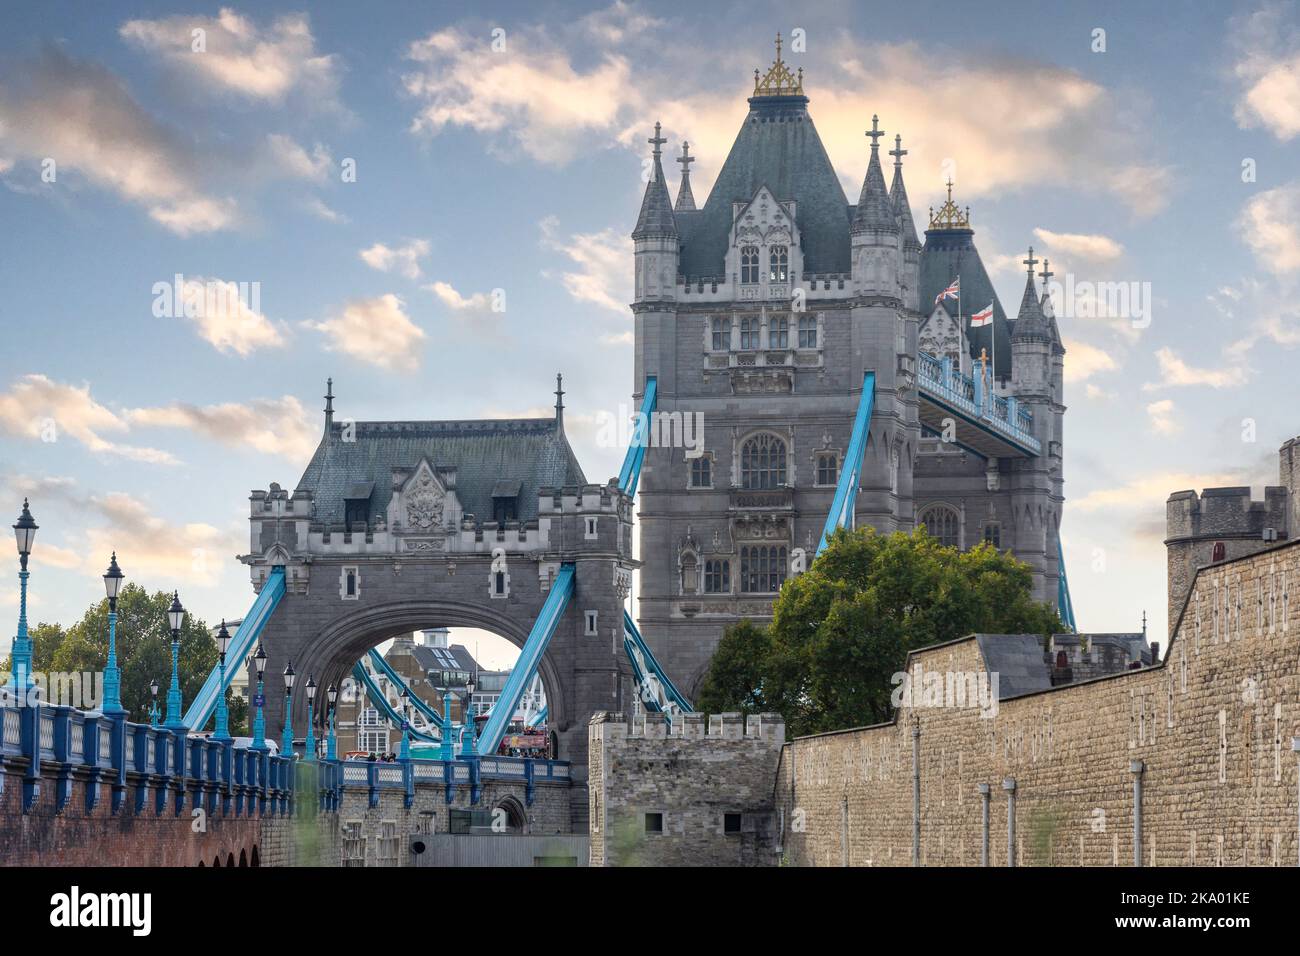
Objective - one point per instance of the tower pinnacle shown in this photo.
(898, 152)
(685, 198)
(329, 403)
(559, 400)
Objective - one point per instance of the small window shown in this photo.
(499, 582)
(993, 534)
(748, 264)
(591, 528)
(592, 618)
(828, 468)
(701, 472)
(731, 823)
(778, 332)
(807, 332)
(779, 259)
(654, 823)
(350, 583)
(720, 339)
(717, 577)
(749, 332)
(1220, 551)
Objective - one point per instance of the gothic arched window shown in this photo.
(748, 264)
(779, 259)
(749, 332)
(762, 568)
(942, 522)
(762, 462)
(1220, 551)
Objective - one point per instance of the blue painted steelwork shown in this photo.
(529, 659)
(630, 473)
(1063, 601)
(538, 718)
(380, 700)
(241, 645)
(846, 491)
(382, 666)
(657, 692)
(1004, 418)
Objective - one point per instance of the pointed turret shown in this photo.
(1031, 324)
(898, 197)
(685, 198)
(874, 210)
(329, 405)
(656, 218)
(1049, 311)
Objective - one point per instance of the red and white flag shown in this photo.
(982, 317)
(952, 292)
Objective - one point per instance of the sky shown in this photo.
(431, 204)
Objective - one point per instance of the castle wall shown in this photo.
(693, 777)
(1210, 728)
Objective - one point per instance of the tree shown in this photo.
(143, 648)
(841, 630)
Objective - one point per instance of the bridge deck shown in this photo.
(986, 423)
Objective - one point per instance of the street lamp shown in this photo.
(175, 617)
(259, 718)
(286, 738)
(153, 703)
(406, 723)
(469, 713)
(310, 747)
(447, 743)
(21, 663)
(223, 720)
(112, 675)
(331, 744)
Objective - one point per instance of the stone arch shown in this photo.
(243, 857)
(277, 555)
(516, 815)
(255, 859)
(942, 522)
(230, 859)
(341, 643)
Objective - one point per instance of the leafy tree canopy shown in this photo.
(842, 629)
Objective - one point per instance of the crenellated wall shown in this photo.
(1208, 731)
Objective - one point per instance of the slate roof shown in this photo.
(436, 658)
(777, 147)
(948, 253)
(531, 451)
(1017, 659)
(874, 210)
(656, 216)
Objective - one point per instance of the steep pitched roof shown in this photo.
(656, 217)
(902, 208)
(949, 253)
(532, 451)
(777, 146)
(874, 209)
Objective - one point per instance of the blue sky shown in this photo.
(517, 172)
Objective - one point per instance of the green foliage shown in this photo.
(841, 630)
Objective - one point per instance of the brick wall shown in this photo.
(1211, 725)
(691, 778)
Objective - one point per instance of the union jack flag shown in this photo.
(952, 292)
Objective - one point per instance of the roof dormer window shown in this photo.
(748, 265)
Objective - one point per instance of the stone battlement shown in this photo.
(1226, 512)
(727, 726)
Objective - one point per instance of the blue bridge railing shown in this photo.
(940, 379)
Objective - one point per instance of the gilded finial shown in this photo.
(778, 81)
(950, 215)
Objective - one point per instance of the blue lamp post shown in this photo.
(331, 743)
(112, 675)
(309, 748)
(175, 617)
(222, 732)
(286, 738)
(447, 752)
(259, 718)
(153, 703)
(25, 534)
(406, 724)
(467, 747)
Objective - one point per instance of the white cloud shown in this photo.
(275, 426)
(1096, 248)
(146, 543)
(1095, 393)
(1161, 415)
(1085, 360)
(82, 117)
(41, 409)
(318, 208)
(601, 276)
(1145, 490)
(224, 319)
(475, 304)
(403, 259)
(376, 330)
(260, 63)
(1270, 224)
(1267, 69)
(1176, 372)
(292, 159)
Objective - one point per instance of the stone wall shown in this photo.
(693, 780)
(1209, 728)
